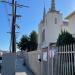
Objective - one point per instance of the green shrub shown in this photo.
(65, 38)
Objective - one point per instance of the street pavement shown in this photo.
(21, 69)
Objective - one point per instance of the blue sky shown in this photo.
(30, 17)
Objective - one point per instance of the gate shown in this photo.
(61, 60)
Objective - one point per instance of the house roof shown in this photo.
(70, 15)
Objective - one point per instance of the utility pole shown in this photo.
(13, 27)
(13, 34)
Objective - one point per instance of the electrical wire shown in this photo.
(9, 23)
(6, 10)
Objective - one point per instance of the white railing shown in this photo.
(62, 62)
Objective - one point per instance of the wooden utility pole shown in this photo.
(13, 27)
(13, 34)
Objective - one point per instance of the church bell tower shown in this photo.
(53, 6)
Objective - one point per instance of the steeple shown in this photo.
(53, 5)
(44, 13)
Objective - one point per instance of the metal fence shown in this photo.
(61, 60)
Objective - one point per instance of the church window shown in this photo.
(46, 21)
(55, 20)
(43, 35)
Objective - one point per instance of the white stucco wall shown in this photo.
(52, 30)
(39, 35)
(8, 64)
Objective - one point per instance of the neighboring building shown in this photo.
(71, 23)
(2, 52)
(52, 24)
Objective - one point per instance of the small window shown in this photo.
(46, 21)
(55, 20)
(43, 35)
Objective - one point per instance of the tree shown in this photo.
(65, 38)
(33, 40)
(65, 41)
(23, 44)
(28, 43)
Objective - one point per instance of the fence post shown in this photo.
(48, 60)
(74, 58)
(41, 62)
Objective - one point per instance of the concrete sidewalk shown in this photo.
(20, 69)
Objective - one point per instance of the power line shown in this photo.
(13, 27)
(9, 23)
(8, 19)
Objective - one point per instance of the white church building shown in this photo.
(52, 24)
